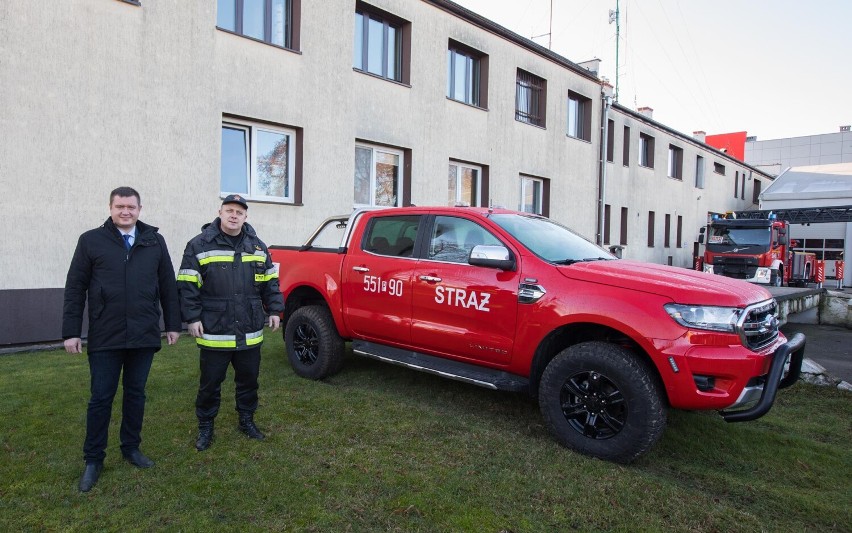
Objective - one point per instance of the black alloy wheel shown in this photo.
(593, 406)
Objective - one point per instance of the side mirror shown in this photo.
(491, 257)
(782, 239)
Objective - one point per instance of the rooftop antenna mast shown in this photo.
(614, 17)
(549, 30)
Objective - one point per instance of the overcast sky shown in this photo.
(773, 68)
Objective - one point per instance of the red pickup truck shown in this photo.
(517, 302)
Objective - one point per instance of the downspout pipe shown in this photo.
(606, 102)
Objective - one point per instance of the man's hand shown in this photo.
(274, 322)
(172, 337)
(195, 329)
(74, 345)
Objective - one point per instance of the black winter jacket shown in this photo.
(227, 288)
(125, 289)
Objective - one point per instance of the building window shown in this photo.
(679, 230)
(270, 21)
(579, 116)
(606, 224)
(625, 150)
(736, 184)
(464, 182)
(381, 43)
(258, 161)
(467, 73)
(535, 193)
(646, 150)
(742, 186)
(668, 230)
(699, 172)
(675, 162)
(623, 238)
(755, 195)
(378, 176)
(610, 140)
(651, 216)
(530, 98)
(719, 168)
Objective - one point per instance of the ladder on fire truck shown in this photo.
(804, 215)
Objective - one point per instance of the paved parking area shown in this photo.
(830, 346)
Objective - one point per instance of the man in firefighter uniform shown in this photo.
(227, 285)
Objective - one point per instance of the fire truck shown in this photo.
(755, 250)
(756, 246)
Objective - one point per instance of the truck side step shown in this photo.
(477, 375)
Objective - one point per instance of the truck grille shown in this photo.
(735, 267)
(758, 326)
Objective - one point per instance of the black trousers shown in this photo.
(105, 368)
(214, 367)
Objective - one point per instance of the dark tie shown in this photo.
(127, 242)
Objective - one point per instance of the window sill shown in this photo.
(674, 178)
(223, 30)
(376, 76)
(250, 200)
(467, 104)
(588, 141)
(645, 166)
(530, 124)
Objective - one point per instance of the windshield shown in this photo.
(738, 239)
(550, 241)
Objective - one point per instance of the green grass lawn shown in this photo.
(381, 448)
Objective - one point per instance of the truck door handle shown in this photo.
(360, 269)
(432, 279)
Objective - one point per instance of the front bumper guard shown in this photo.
(794, 349)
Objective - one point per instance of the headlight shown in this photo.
(704, 316)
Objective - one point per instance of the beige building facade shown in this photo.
(311, 109)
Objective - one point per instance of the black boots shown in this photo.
(247, 426)
(205, 431)
(205, 434)
(90, 476)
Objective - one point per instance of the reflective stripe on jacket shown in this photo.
(230, 290)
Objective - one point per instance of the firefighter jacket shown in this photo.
(230, 290)
(125, 289)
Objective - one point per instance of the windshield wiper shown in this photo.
(585, 260)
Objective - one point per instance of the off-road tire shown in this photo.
(314, 348)
(600, 399)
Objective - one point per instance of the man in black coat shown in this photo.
(124, 269)
(228, 284)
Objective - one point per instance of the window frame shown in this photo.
(401, 181)
(699, 172)
(651, 223)
(755, 192)
(478, 73)
(402, 41)
(251, 130)
(622, 240)
(646, 150)
(625, 149)
(291, 22)
(477, 194)
(675, 170)
(610, 141)
(544, 195)
(579, 117)
(537, 95)
(718, 168)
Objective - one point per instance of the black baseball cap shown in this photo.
(235, 199)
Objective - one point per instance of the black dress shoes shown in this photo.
(138, 459)
(90, 476)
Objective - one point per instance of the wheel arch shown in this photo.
(307, 295)
(575, 333)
